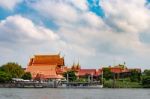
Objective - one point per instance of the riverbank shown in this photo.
(106, 85)
(27, 85)
(122, 84)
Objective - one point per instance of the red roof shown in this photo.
(115, 69)
(118, 70)
(83, 72)
(99, 72)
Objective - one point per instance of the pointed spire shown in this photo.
(73, 64)
(78, 65)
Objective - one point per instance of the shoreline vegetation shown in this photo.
(12, 70)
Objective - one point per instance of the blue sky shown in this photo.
(95, 33)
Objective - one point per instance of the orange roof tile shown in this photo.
(83, 72)
(47, 59)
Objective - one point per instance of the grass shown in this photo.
(121, 84)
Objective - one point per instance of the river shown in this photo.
(50, 93)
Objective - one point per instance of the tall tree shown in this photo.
(4, 77)
(135, 76)
(146, 78)
(107, 74)
(146, 72)
(13, 69)
(71, 75)
(27, 76)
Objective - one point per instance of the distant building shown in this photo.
(121, 71)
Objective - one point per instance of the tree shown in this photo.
(135, 76)
(27, 76)
(71, 75)
(146, 78)
(146, 81)
(4, 77)
(146, 72)
(107, 74)
(13, 69)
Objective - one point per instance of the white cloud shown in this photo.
(80, 4)
(24, 30)
(21, 38)
(81, 33)
(9, 4)
(117, 33)
(120, 28)
(56, 10)
(128, 18)
(127, 15)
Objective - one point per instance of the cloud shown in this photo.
(9, 4)
(20, 29)
(80, 32)
(129, 19)
(125, 15)
(86, 27)
(20, 38)
(117, 33)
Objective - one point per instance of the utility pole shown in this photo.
(102, 77)
(92, 77)
(89, 78)
(114, 81)
(67, 78)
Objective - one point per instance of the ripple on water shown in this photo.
(47, 93)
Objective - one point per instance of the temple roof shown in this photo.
(83, 72)
(47, 59)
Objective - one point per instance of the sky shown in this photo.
(95, 33)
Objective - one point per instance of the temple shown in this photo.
(46, 66)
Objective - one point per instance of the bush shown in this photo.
(121, 84)
(71, 75)
(13, 69)
(4, 77)
(146, 81)
(135, 76)
(27, 76)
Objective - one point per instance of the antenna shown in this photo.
(114, 61)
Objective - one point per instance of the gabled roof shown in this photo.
(83, 72)
(47, 59)
(116, 69)
(99, 72)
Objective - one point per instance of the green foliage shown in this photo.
(26, 76)
(122, 66)
(121, 84)
(146, 80)
(135, 76)
(4, 77)
(81, 80)
(107, 74)
(13, 69)
(71, 75)
(147, 72)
